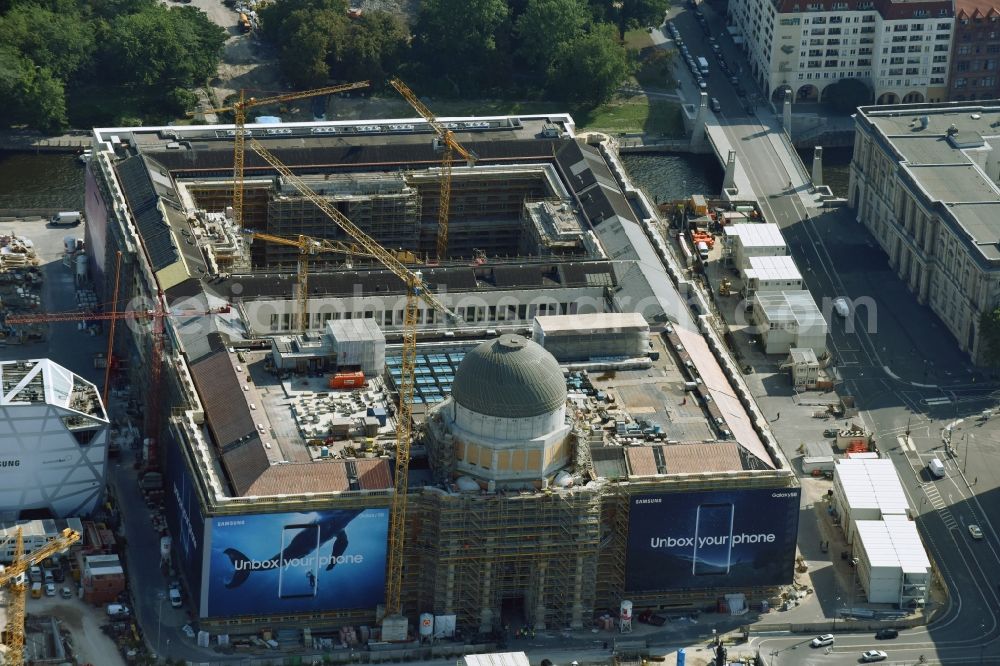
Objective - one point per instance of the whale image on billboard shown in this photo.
(297, 562)
(724, 538)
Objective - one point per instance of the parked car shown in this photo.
(714, 105)
(702, 84)
(831, 432)
(67, 593)
(975, 532)
(175, 596)
(887, 633)
(50, 589)
(873, 655)
(820, 641)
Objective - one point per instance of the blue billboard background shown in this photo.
(712, 539)
(297, 562)
(187, 525)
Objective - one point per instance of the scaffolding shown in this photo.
(509, 558)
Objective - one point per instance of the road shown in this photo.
(906, 373)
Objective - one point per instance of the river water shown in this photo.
(41, 180)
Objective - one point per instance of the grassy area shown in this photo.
(634, 114)
(638, 39)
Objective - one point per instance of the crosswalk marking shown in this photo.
(934, 497)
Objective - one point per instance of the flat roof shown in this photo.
(893, 543)
(942, 149)
(598, 321)
(765, 234)
(773, 268)
(871, 484)
(798, 306)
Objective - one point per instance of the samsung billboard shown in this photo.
(728, 538)
(187, 526)
(265, 564)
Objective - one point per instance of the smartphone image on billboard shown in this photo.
(298, 572)
(713, 540)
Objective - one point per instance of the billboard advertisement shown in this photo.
(722, 538)
(187, 526)
(297, 562)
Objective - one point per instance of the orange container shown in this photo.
(347, 380)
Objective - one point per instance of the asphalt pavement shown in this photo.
(906, 373)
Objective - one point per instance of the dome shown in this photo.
(510, 377)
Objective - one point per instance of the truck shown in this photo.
(703, 65)
(66, 218)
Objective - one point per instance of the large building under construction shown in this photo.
(581, 438)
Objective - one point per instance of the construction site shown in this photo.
(425, 378)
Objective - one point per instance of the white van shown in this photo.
(703, 250)
(936, 467)
(67, 218)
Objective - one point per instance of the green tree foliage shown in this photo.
(31, 94)
(546, 27)
(848, 94)
(463, 42)
(590, 68)
(989, 333)
(374, 50)
(307, 40)
(108, 57)
(163, 48)
(61, 41)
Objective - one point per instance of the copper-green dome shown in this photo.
(510, 377)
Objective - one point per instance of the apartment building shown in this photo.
(975, 51)
(924, 182)
(901, 49)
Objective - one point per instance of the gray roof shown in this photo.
(510, 377)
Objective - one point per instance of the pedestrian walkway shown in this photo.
(936, 501)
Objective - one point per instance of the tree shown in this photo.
(546, 27)
(848, 94)
(160, 48)
(462, 40)
(375, 47)
(61, 41)
(31, 94)
(590, 68)
(989, 333)
(640, 13)
(308, 41)
(275, 14)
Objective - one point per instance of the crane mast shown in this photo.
(450, 146)
(14, 574)
(415, 290)
(239, 109)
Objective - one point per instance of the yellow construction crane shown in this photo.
(307, 247)
(15, 574)
(239, 109)
(415, 289)
(449, 146)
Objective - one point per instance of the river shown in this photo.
(41, 180)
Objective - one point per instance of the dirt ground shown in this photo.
(83, 622)
(249, 64)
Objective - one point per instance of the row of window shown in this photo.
(471, 315)
(985, 82)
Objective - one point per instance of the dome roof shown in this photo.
(510, 377)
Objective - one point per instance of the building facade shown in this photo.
(53, 442)
(925, 185)
(975, 51)
(900, 49)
